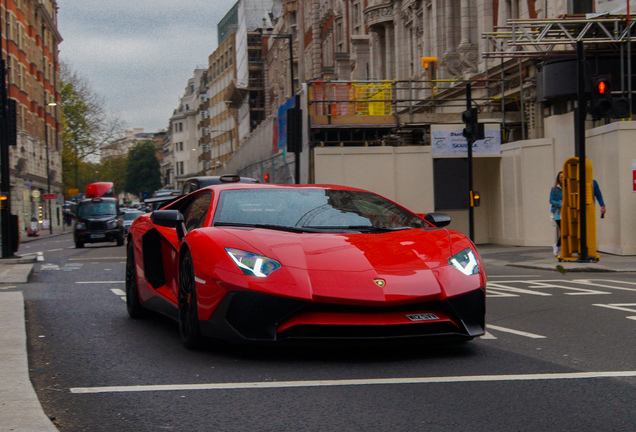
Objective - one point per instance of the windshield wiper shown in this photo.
(375, 229)
(266, 226)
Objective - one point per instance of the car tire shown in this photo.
(79, 244)
(133, 303)
(188, 311)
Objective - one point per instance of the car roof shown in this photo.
(222, 179)
(97, 199)
(228, 186)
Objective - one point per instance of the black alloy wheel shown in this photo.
(188, 311)
(133, 304)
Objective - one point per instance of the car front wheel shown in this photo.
(188, 311)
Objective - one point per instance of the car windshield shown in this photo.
(313, 209)
(90, 209)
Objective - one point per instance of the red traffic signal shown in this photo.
(601, 102)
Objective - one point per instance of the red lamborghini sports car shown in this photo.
(249, 262)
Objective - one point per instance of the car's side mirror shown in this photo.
(169, 219)
(438, 219)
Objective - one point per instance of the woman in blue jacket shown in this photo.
(556, 200)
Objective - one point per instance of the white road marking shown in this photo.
(621, 307)
(120, 293)
(514, 287)
(596, 283)
(517, 332)
(355, 382)
(100, 282)
(488, 335)
(40, 256)
(492, 293)
(501, 287)
(54, 250)
(93, 259)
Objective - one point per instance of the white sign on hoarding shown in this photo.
(614, 7)
(451, 142)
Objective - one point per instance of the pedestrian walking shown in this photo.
(556, 200)
(598, 196)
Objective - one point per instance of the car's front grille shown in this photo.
(369, 332)
(97, 226)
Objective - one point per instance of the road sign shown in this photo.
(73, 192)
(49, 196)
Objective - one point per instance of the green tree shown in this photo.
(114, 170)
(143, 173)
(86, 128)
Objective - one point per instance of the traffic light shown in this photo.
(474, 130)
(294, 130)
(620, 108)
(475, 199)
(601, 102)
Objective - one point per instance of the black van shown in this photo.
(98, 220)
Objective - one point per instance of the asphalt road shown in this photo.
(552, 360)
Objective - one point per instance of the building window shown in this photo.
(339, 36)
(357, 12)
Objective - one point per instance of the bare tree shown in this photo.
(87, 127)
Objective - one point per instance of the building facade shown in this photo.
(184, 131)
(30, 40)
(385, 78)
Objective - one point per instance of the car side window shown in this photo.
(195, 214)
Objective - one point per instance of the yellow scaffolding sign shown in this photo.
(335, 99)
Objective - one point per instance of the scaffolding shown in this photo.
(546, 38)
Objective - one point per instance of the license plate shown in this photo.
(423, 317)
(96, 236)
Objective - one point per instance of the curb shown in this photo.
(20, 409)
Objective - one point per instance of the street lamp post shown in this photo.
(297, 147)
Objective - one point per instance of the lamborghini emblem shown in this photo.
(380, 282)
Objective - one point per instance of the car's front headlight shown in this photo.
(252, 264)
(111, 224)
(80, 226)
(465, 261)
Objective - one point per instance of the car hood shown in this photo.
(388, 267)
(406, 250)
(97, 218)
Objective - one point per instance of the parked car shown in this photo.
(129, 217)
(98, 220)
(268, 263)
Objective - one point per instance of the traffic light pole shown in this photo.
(579, 137)
(5, 180)
(470, 141)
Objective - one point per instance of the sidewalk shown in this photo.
(542, 258)
(20, 409)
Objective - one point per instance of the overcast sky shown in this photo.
(139, 54)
